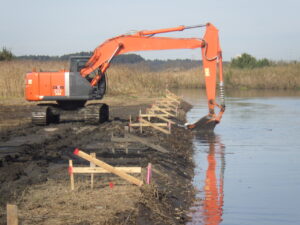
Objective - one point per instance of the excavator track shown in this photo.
(43, 115)
(96, 113)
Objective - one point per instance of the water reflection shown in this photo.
(211, 195)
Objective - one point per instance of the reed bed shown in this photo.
(284, 76)
(12, 75)
(122, 79)
(139, 79)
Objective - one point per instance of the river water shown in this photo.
(248, 171)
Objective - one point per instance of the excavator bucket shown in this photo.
(205, 124)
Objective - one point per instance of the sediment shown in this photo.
(34, 173)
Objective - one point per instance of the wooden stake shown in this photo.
(12, 214)
(71, 174)
(92, 165)
(108, 167)
(141, 127)
(149, 173)
(129, 127)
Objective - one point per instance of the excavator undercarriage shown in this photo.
(44, 114)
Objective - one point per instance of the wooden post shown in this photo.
(109, 168)
(71, 174)
(92, 165)
(129, 126)
(113, 146)
(141, 127)
(149, 173)
(12, 214)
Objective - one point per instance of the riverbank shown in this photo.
(35, 176)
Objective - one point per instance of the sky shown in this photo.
(263, 28)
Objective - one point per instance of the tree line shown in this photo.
(244, 61)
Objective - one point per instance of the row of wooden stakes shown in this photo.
(163, 110)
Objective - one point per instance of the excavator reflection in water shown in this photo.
(210, 209)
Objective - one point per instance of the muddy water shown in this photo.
(248, 171)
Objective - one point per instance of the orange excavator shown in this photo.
(86, 78)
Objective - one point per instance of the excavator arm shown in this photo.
(145, 41)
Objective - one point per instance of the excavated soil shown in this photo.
(34, 171)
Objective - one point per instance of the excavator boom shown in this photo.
(145, 41)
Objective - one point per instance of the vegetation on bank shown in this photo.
(246, 61)
(6, 55)
(142, 78)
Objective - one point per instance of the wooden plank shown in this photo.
(168, 102)
(172, 98)
(101, 170)
(109, 168)
(170, 105)
(149, 111)
(157, 112)
(147, 125)
(166, 105)
(158, 116)
(146, 142)
(157, 108)
(172, 94)
(71, 174)
(12, 214)
(169, 109)
(155, 126)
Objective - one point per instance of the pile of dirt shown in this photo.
(34, 173)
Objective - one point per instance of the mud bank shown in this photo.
(34, 173)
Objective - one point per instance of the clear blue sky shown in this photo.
(263, 28)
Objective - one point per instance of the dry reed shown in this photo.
(286, 76)
(138, 79)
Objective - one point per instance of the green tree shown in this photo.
(263, 62)
(6, 54)
(244, 61)
(249, 62)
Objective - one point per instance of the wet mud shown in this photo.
(34, 172)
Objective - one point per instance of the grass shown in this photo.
(139, 80)
(54, 203)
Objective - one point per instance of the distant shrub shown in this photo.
(6, 54)
(249, 62)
